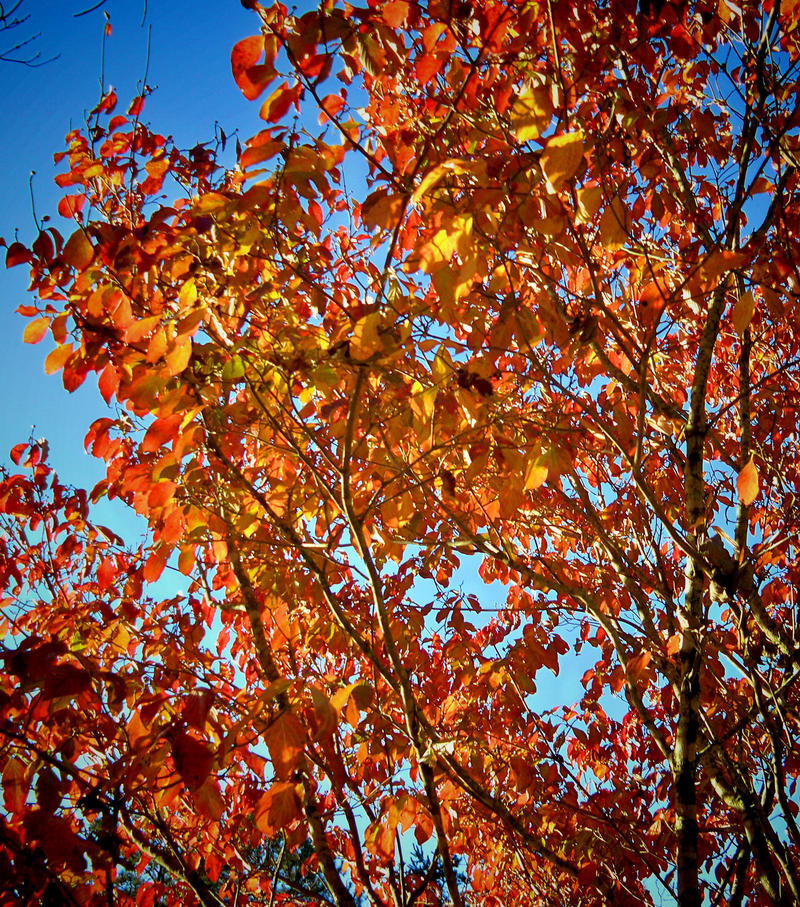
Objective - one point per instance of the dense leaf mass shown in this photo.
(480, 365)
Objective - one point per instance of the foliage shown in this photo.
(520, 302)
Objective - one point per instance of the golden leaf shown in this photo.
(531, 113)
(561, 158)
(364, 341)
(743, 312)
(437, 173)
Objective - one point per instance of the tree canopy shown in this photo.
(479, 364)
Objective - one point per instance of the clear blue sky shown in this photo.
(189, 67)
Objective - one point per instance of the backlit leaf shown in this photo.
(244, 56)
(78, 251)
(561, 158)
(277, 808)
(35, 330)
(208, 799)
(365, 341)
(531, 112)
(743, 312)
(436, 174)
(285, 738)
(747, 483)
(56, 358)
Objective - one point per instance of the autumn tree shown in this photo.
(481, 363)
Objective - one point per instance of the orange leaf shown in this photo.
(71, 205)
(108, 382)
(285, 739)
(637, 665)
(208, 799)
(56, 358)
(325, 715)
(747, 483)
(35, 330)
(380, 840)
(178, 357)
(161, 432)
(395, 13)
(277, 808)
(78, 251)
(365, 342)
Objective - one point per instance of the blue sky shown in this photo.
(190, 43)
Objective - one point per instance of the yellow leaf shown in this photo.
(454, 238)
(747, 483)
(422, 402)
(35, 330)
(614, 225)
(743, 312)
(561, 158)
(589, 201)
(188, 293)
(365, 341)
(442, 368)
(437, 173)
(531, 113)
(178, 357)
(535, 473)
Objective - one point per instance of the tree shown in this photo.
(522, 305)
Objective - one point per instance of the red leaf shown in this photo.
(380, 840)
(155, 564)
(136, 106)
(193, 760)
(15, 785)
(71, 205)
(17, 451)
(244, 56)
(108, 382)
(107, 572)
(17, 254)
(161, 432)
(109, 100)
